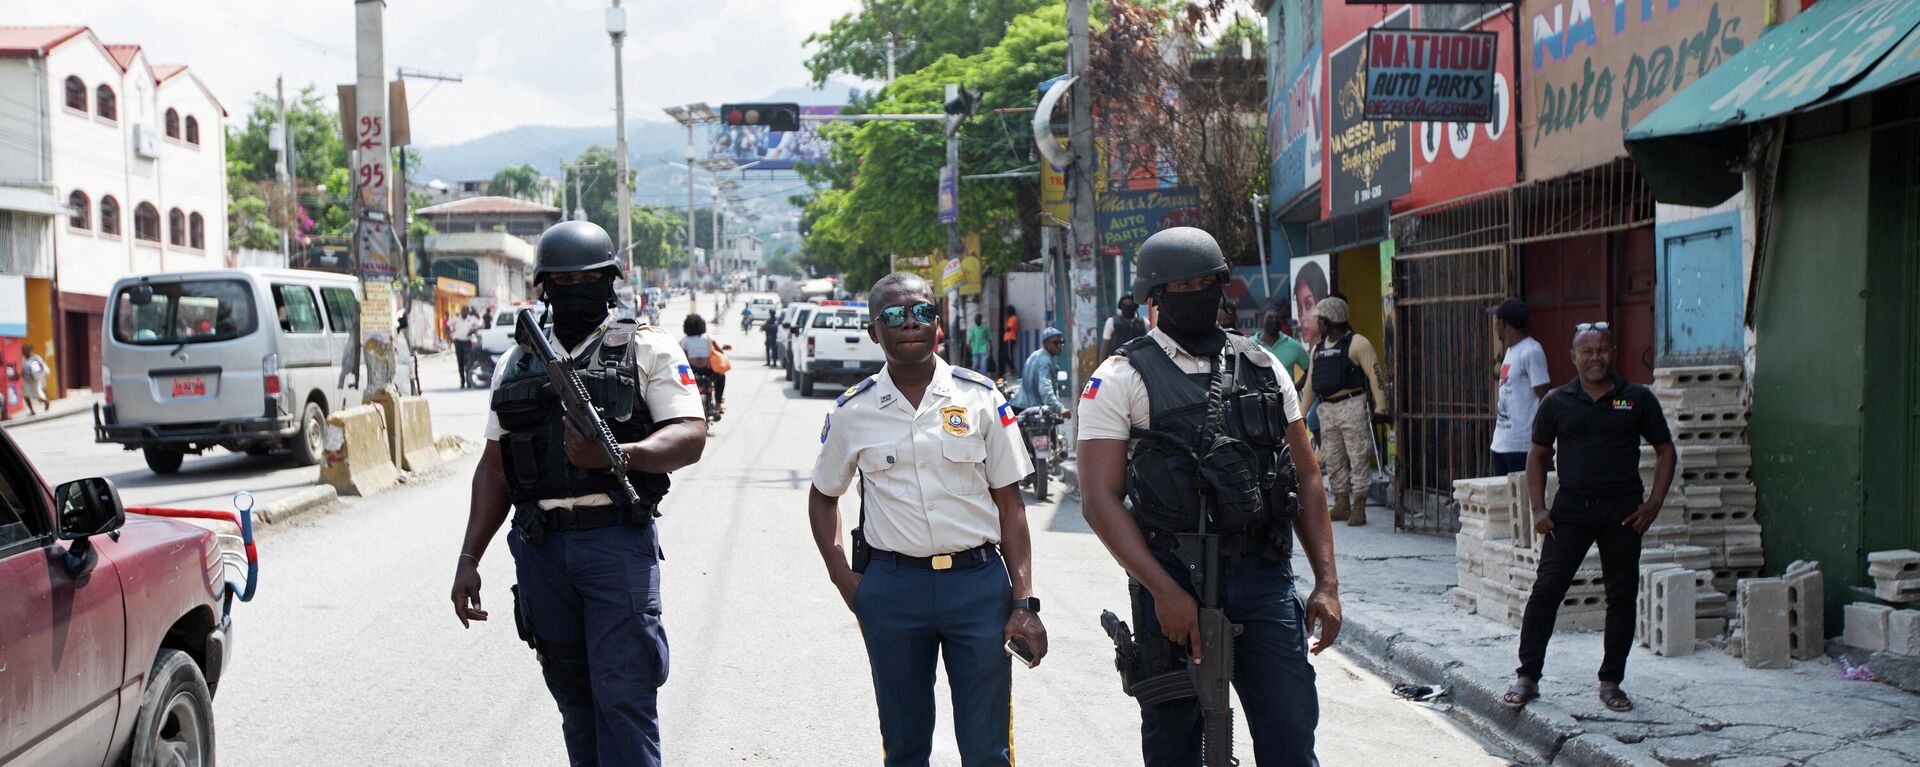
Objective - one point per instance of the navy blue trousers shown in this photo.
(592, 598)
(1271, 673)
(910, 615)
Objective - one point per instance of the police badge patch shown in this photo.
(954, 418)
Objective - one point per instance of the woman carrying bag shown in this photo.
(707, 359)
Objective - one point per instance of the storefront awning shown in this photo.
(1834, 51)
(32, 201)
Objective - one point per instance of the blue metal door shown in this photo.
(1700, 285)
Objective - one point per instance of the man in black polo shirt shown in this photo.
(1597, 421)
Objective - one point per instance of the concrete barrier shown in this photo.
(358, 457)
(416, 450)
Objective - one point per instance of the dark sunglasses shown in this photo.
(1586, 326)
(895, 316)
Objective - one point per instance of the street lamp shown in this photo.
(617, 30)
(690, 115)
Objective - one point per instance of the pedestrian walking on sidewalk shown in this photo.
(1593, 426)
(35, 371)
(1153, 419)
(979, 343)
(941, 560)
(1344, 376)
(587, 558)
(1010, 342)
(1523, 381)
(462, 328)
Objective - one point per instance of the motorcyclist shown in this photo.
(1037, 376)
(699, 350)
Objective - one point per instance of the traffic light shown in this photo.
(780, 118)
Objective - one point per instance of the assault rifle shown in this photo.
(574, 401)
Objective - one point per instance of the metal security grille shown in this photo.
(1609, 198)
(1453, 261)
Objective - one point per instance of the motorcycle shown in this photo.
(703, 380)
(1040, 430)
(480, 369)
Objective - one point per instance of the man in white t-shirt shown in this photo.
(1523, 381)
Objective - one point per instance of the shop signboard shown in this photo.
(1131, 216)
(1428, 74)
(1369, 161)
(1594, 68)
(1457, 159)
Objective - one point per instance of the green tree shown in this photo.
(658, 237)
(855, 43)
(888, 206)
(1248, 28)
(322, 197)
(597, 168)
(518, 181)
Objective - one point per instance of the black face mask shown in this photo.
(1190, 319)
(578, 309)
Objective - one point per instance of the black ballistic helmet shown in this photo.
(1173, 255)
(573, 246)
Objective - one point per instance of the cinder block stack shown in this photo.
(1667, 601)
(1896, 575)
(1712, 482)
(1486, 509)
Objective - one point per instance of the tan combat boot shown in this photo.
(1359, 515)
(1339, 509)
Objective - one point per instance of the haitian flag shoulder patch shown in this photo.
(1093, 389)
(686, 375)
(1006, 414)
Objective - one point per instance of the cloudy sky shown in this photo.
(524, 61)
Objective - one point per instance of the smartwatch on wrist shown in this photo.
(1031, 604)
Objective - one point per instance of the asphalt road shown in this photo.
(351, 655)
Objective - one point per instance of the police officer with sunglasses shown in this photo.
(940, 561)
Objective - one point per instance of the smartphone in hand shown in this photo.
(1017, 647)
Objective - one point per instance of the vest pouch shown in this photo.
(522, 404)
(1161, 486)
(1261, 419)
(1234, 480)
(612, 393)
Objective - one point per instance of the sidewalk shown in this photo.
(76, 402)
(1701, 709)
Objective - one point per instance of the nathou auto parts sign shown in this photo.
(1430, 75)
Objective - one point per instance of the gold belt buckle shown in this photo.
(943, 561)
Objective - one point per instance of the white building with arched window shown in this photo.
(109, 165)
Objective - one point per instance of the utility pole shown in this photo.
(278, 139)
(1082, 322)
(579, 210)
(617, 29)
(955, 250)
(374, 247)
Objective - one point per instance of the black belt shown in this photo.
(974, 557)
(1350, 394)
(583, 518)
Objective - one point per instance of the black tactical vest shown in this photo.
(1164, 467)
(533, 452)
(1333, 370)
(1125, 329)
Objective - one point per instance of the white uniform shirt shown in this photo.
(666, 383)
(1114, 401)
(926, 470)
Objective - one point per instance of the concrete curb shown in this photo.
(85, 405)
(1541, 727)
(297, 503)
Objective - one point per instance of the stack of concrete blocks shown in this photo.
(1712, 482)
(1896, 575)
(1667, 599)
(1764, 638)
(1486, 509)
(1710, 606)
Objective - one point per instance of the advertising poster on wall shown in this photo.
(1369, 161)
(1309, 279)
(1593, 69)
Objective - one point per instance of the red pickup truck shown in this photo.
(113, 631)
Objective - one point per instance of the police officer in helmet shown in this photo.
(587, 560)
(1159, 421)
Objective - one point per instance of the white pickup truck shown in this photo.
(497, 336)
(834, 346)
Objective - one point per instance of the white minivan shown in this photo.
(246, 359)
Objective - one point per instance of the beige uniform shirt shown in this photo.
(1115, 402)
(925, 471)
(666, 383)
